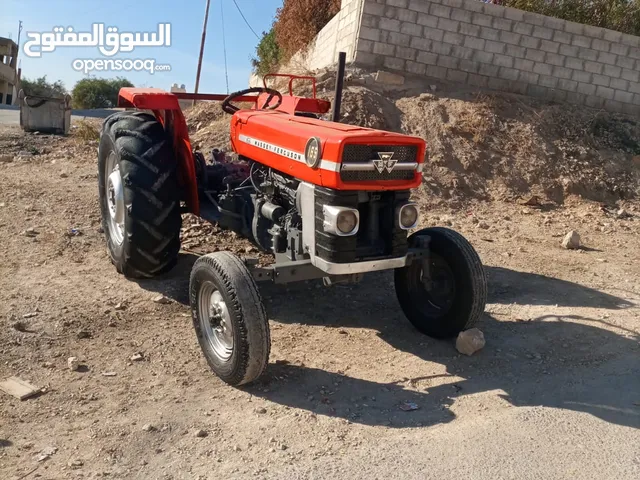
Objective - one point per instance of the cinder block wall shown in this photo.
(485, 45)
(339, 35)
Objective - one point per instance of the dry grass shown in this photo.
(87, 130)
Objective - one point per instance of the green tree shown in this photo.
(267, 54)
(41, 87)
(98, 92)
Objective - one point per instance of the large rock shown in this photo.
(571, 240)
(470, 341)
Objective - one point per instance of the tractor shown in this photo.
(327, 200)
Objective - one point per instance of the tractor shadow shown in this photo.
(549, 361)
(175, 283)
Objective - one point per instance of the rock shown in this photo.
(283, 447)
(161, 299)
(571, 240)
(109, 374)
(409, 406)
(19, 326)
(73, 364)
(483, 225)
(433, 88)
(83, 334)
(75, 463)
(30, 315)
(389, 78)
(201, 433)
(137, 357)
(533, 201)
(147, 427)
(470, 341)
(63, 175)
(45, 453)
(622, 213)
(6, 158)
(120, 306)
(272, 440)
(236, 448)
(261, 410)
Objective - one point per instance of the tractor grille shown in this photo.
(364, 155)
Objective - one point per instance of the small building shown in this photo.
(9, 78)
(184, 104)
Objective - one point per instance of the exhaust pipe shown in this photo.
(337, 102)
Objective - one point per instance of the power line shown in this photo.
(245, 20)
(224, 47)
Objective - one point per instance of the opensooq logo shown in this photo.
(108, 40)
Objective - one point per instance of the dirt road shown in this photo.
(555, 394)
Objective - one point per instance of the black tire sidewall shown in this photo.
(233, 368)
(251, 337)
(468, 289)
(116, 251)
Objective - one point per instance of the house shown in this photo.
(9, 78)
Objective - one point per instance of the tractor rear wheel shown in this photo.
(139, 196)
(229, 318)
(447, 292)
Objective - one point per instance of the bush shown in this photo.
(98, 92)
(267, 54)
(42, 88)
(620, 15)
(299, 21)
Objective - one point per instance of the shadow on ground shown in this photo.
(175, 284)
(549, 361)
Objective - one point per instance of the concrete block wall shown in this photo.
(339, 35)
(485, 45)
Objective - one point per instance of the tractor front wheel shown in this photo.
(447, 292)
(229, 318)
(139, 196)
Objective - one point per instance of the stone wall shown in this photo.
(485, 45)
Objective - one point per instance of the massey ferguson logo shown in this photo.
(385, 162)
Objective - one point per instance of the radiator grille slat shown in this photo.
(366, 154)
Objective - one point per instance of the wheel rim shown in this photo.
(115, 199)
(435, 292)
(215, 321)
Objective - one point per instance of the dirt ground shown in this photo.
(555, 393)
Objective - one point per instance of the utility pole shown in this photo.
(204, 36)
(19, 32)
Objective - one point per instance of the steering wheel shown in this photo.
(231, 109)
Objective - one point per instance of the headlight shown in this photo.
(340, 221)
(408, 216)
(313, 152)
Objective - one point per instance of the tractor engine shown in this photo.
(265, 206)
(252, 200)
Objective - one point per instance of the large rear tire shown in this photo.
(229, 318)
(139, 194)
(446, 293)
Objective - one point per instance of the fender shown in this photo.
(166, 108)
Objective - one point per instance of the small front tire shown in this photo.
(229, 318)
(446, 293)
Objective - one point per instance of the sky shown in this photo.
(186, 18)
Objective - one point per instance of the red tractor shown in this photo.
(328, 200)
